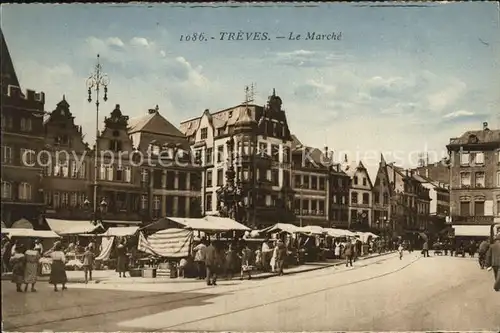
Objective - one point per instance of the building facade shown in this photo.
(22, 140)
(360, 196)
(262, 157)
(475, 175)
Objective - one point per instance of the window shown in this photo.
(73, 199)
(465, 179)
(209, 178)
(26, 124)
(464, 158)
(479, 208)
(127, 171)
(64, 199)
(220, 154)
(479, 179)
(208, 202)
(321, 183)
(156, 202)
(28, 157)
(314, 182)
(365, 182)
(47, 198)
(81, 170)
(144, 175)
(275, 151)
(298, 180)
(6, 190)
(74, 171)
(115, 145)
(102, 174)
(204, 133)
(465, 208)
(498, 178)
(110, 170)
(57, 200)
(262, 148)
(366, 198)
(286, 178)
(376, 197)
(275, 177)
(209, 156)
(479, 158)
(354, 197)
(386, 199)
(119, 173)
(144, 201)
(321, 207)
(6, 155)
(498, 207)
(355, 180)
(220, 177)
(24, 191)
(286, 155)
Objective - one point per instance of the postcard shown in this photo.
(250, 167)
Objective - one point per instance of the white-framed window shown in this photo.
(156, 202)
(269, 200)
(144, 201)
(110, 170)
(73, 199)
(64, 199)
(47, 198)
(498, 178)
(6, 190)
(480, 179)
(465, 179)
(74, 170)
(127, 172)
(25, 191)
(144, 175)
(26, 124)
(81, 171)
(65, 169)
(28, 157)
(57, 200)
(479, 158)
(464, 158)
(6, 155)
(102, 173)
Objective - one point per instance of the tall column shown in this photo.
(188, 180)
(188, 206)
(163, 205)
(164, 179)
(176, 180)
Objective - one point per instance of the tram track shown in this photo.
(163, 302)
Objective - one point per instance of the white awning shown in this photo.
(210, 223)
(23, 232)
(334, 232)
(286, 227)
(312, 229)
(71, 227)
(472, 230)
(120, 231)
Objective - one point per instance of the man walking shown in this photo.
(425, 249)
(483, 250)
(211, 263)
(493, 261)
(199, 259)
(348, 253)
(281, 255)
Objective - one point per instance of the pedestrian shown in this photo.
(199, 259)
(18, 264)
(6, 253)
(400, 250)
(246, 262)
(266, 253)
(211, 263)
(493, 261)
(273, 258)
(483, 250)
(425, 249)
(58, 269)
(348, 253)
(121, 259)
(280, 256)
(337, 250)
(88, 263)
(230, 262)
(32, 269)
(181, 268)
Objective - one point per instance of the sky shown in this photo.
(399, 81)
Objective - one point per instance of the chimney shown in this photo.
(426, 172)
(485, 126)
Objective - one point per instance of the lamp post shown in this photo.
(96, 81)
(103, 206)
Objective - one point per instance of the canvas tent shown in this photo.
(70, 227)
(170, 243)
(120, 231)
(278, 227)
(364, 236)
(311, 230)
(208, 223)
(24, 232)
(339, 233)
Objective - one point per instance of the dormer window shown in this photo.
(473, 138)
(204, 133)
(115, 145)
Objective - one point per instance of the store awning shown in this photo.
(24, 232)
(120, 231)
(334, 232)
(226, 223)
(22, 224)
(71, 227)
(472, 230)
(311, 229)
(285, 227)
(208, 223)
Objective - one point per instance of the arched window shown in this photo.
(25, 191)
(6, 190)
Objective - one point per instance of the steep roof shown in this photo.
(155, 123)
(483, 136)
(9, 76)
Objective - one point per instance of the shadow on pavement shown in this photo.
(47, 309)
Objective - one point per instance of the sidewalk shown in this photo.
(110, 276)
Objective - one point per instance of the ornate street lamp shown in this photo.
(97, 80)
(230, 196)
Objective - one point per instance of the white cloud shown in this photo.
(459, 113)
(438, 101)
(115, 41)
(139, 41)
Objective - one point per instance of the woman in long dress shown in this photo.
(58, 271)
(121, 259)
(32, 268)
(274, 257)
(18, 263)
